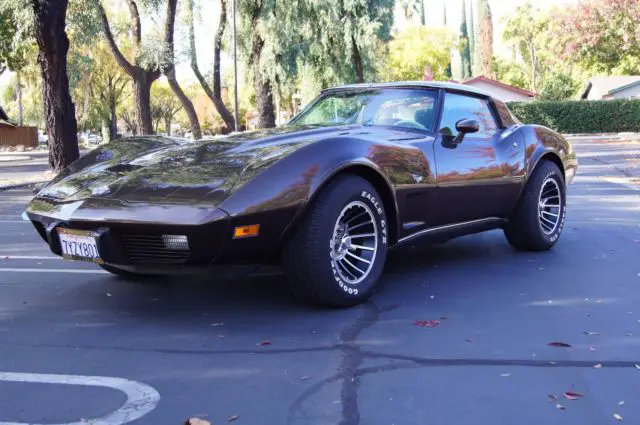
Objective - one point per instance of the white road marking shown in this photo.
(27, 270)
(28, 257)
(141, 398)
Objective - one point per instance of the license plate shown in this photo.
(79, 245)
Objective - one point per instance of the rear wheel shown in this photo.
(539, 217)
(338, 252)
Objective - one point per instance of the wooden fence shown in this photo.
(16, 136)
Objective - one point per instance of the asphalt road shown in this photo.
(197, 342)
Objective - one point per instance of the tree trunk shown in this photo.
(142, 102)
(357, 60)
(19, 92)
(262, 85)
(186, 103)
(167, 125)
(113, 120)
(59, 110)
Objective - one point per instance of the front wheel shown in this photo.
(337, 254)
(539, 217)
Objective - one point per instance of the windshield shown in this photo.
(409, 108)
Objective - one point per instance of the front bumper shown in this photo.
(132, 234)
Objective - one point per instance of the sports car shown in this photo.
(362, 169)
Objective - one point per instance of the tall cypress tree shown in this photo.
(423, 16)
(483, 60)
(447, 71)
(472, 38)
(465, 53)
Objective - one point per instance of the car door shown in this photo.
(482, 175)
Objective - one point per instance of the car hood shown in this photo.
(168, 170)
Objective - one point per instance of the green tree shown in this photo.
(346, 38)
(463, 45)
(527, 32)
(510, 72)
(559, 86)
(416, 48)
(165, 106)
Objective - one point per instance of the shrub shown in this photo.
(581, 116)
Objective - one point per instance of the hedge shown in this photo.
(581, 116)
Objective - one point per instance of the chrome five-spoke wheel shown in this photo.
(354, 242)
(549, 205)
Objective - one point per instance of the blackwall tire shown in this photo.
(538, 220)
(330, 260)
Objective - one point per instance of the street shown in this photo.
(246, 351)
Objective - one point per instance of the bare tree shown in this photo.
(214, 94)
(142, 76)
(169, 71)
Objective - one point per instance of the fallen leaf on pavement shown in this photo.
(553, 363)
(629, 334)
(599, 301)
(553, 397)
(592, 349)
(560, 406)
(598, 366)
(592, 333)
(637, 366)
(621, 403)
(266, 342)
(587, 315)
(232, 418)
(558, 344)
(468, 340)
(504, 375)
(196, 421)
(443, 318)
(108, 294)
(304, 378)
(426, 323)
(617, 417)
(570, 395)
(217, 324)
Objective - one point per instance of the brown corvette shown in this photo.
(363, 168)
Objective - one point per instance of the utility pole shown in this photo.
(235, 65)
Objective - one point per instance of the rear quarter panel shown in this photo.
(540, 141)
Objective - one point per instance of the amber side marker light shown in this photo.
(246, 231)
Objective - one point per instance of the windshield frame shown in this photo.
(437, 94)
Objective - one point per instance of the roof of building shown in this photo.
(419, 84)
(482, 78)
(610, 84)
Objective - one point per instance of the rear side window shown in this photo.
(507, 117)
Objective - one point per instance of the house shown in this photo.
(12, 134)
(499, 90)
(612, 87)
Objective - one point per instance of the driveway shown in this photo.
(245, 351)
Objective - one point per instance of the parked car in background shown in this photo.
(362, 169)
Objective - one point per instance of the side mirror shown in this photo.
(464, 127)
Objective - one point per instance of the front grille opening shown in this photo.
(154, 249)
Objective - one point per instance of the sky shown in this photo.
(208, 11)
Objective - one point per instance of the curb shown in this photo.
(31, 185)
